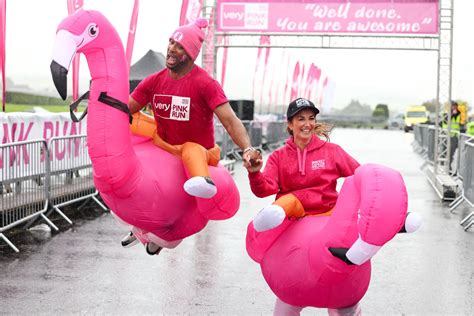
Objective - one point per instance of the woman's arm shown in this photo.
(266, 183)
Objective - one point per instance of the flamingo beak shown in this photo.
(59, 74)
(63, 52)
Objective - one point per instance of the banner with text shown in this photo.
(326, 16)
(17, 127)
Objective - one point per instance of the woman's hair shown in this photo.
(321, 129)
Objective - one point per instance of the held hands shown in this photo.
(252, 159)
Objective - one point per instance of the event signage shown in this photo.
(319, 16)
(18, 127)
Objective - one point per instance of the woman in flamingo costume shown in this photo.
(141, 183)
(313, 246)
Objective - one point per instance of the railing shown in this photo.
(23, 184)
(461, 168)
(38, 177)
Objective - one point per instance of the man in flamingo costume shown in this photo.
(139, 181)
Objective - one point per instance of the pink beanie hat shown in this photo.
(191, 37)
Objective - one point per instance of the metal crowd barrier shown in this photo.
(462, 166)
(430, 142)
(71, 178)
(38, 177)
(256, 134)
(276, 134)
(23, 184)
(467, 174)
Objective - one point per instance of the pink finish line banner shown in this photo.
(317, 16)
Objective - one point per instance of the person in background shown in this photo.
(470, 126)
(303, 174)
(184, 99)
(457, 126)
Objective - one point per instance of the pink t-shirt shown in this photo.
(184, 108)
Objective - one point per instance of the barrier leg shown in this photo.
(50, 223)
(458, 201)
(62, 214)
(9, 242)
(469, 225)
(100, 203)
(467, 218)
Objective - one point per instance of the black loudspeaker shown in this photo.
(243, 109)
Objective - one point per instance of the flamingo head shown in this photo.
(78, 33)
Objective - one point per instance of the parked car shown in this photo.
(397, 122)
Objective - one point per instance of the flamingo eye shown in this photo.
(93, 30)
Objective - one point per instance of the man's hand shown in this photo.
(252, 159)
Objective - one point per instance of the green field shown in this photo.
(29, 108)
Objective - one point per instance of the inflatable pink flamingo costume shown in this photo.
(141, 183)
(324, 261)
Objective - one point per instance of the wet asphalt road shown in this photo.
(84, 270)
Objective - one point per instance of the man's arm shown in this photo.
(237, 132)
(133, 105)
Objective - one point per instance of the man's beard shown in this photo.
(182, 62)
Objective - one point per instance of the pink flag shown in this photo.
(73, 6)
(287, 80)
(301, 82)
(131, 33)
(271, 89)
(295, 81)
(278, 75)
(320, 99)
(314, 93)
(182, 15)
(264, 40)
(208, 53)
(3, 18)
(224, 61)
(311, 81)
(190, 11)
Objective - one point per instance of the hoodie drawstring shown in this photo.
(301, 162)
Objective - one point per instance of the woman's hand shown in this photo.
(252, 159)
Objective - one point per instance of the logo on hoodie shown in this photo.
(171, 107)
(318, 164)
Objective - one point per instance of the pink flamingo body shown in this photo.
(295, 259)
(141, 183)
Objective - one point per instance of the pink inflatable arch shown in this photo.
(296, 259)
(142, 184)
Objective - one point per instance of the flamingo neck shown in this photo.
(109, 73)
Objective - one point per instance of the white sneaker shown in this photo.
(202, 187)
(153, 249)
(269, 217)
(129, 240)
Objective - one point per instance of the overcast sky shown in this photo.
(397, 78)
